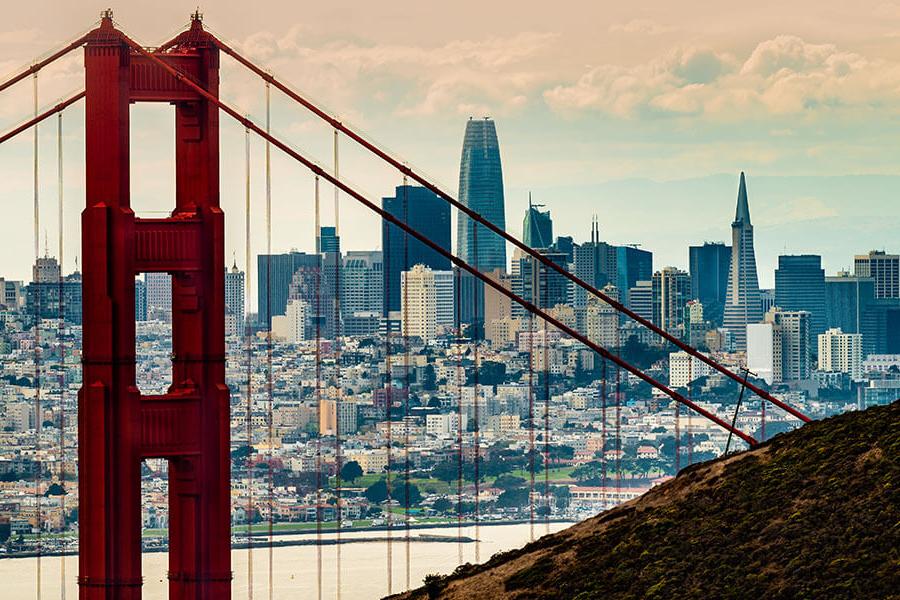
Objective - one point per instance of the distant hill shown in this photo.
(814, 513)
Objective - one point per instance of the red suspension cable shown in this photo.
(529, 306)
(406, 170)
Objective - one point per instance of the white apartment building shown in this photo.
(419, 303)
(839, 351)
(684, 368)
(291, 326)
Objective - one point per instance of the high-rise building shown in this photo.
(684, 369)
(159, 296)
(671, 292)
(709, 266)
(12, 294)
(328, 240)
(800, 285)
(846, 300)
(778, 349)
(764, 351)
(276, 273)
(640, 299)
(537, 227)
(425, 212)
(338, 417)
(362, 291)
(49, 298)
(601, 322)
(883, 268)
(843, 352)
(418, 303)
(537, 283)
(766, 299)
(234, 301)
(294, 324)
(46, 270)
(595, 263)
(795, 364)
(481, 189)
(632, 265)
(140, 299)
(742, 303)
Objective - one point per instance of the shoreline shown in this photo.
(246, 543)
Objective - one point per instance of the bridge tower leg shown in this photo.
(189, 424)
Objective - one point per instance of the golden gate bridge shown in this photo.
(188, 426)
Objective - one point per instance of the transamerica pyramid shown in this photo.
(742, 302)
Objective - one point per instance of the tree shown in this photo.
(542, 511)
(513, 498)
(55, 489)
(399, 494)
(446, 471)
(442, 505)
(491, 373)
(563, 496)
(351, 471)
(377, 492)
(509, 482)
(429, 378)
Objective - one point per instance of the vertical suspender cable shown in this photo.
(477, 436)
(336, 330)
(389, 398)
(690, 443)
(531, 446)
(762, 418)
(546, 392)
(318, 355)
(677, 437)
(457, 307)
(603, 398)
(618, 434)
(248, 340)
(269, 375)
(39, 292)
(406, 360)
(62, 355)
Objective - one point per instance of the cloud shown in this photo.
(784, 75)
(640, 26)
(460, 76)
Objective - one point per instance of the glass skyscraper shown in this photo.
(426, 213)
(742, 302)
(537, 228)
(800, 285)
(481, 189)
(709, 266)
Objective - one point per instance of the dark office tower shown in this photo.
(742, 304)
(481, 189)
(140, 300)
(427, 214)
(709, 266)
(671, 288)
(883, 268)
(595, 263)
(328, 240)
(538, 283)
(632, 265)
(848, 301)
(276, 273)
(537, 228)
(800, 285)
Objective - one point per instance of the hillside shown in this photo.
(814, 513)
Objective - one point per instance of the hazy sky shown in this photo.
(643, 115)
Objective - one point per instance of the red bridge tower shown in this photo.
(189, 425)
